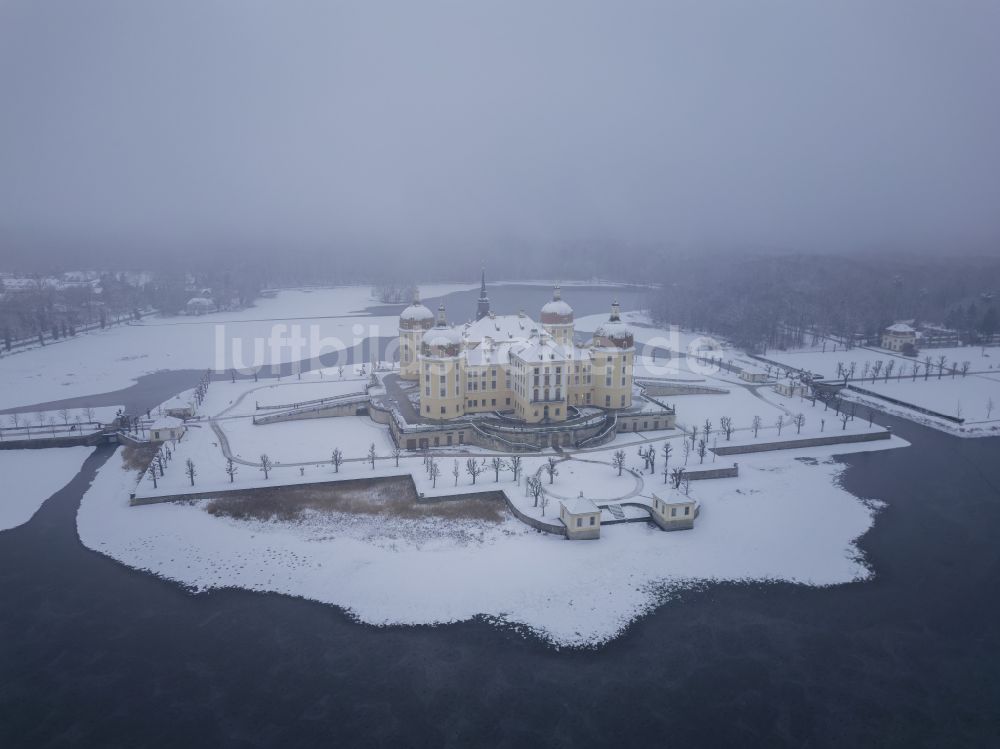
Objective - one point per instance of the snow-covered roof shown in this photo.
(498, 327)
(557, 312)
(900, 327)
(579, 506)
(166, 422)
(200, 301)
(541, 347)
(439, 336)
(416, 312)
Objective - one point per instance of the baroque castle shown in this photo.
(532, 371)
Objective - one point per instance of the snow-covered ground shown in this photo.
(782, 519)
(32, 421)
(785, 517)
(105, 360)
(32, 476)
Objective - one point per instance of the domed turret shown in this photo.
(416, 316)
(614, 333)
(441, 340)
(557, 312)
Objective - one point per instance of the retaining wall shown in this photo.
(911, 406)
(92, 439)
(837, 439)
(700, 474)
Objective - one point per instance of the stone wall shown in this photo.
(836, 439)
(700, 474)
(92, 439)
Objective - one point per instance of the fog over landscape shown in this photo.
(454, 129)
(473, 373)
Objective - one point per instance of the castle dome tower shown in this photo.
(557, 318)
(441, 379)
(613, 353)
(413, 321)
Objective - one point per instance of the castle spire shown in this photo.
(483, 307)
(442, 321)
(556, 293)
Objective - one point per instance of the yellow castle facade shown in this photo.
(528, 370)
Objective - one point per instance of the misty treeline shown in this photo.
(778, 301)
(41, 308)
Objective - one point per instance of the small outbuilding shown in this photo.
(581, 517)
(674, 515)
(166, 428)
(750, 375)
(180, 406)
(791, 389)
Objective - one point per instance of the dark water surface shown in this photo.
(95, 654)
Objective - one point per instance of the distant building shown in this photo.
(581, 517)
(898, 336)
(674, 515)
(166, 428)
(937, 336)
(199, 305)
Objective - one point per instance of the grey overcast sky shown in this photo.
(828, 125)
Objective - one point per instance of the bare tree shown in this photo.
(88, 413)
(965, 368)
(844, 418)
(550, 468)
(702, 449)
(514, 464)
(618, 460)
(152, 474)
(266, 464)
(940, 364)
(396, 452)
(15, 419)
(64, 415)
(694, 435)
(190, 471)
(798, 420)
(876, 368)
(474, 468)
(677, 476)
(535, 488)
(726, 425)
(372, 455)
(890, 365)
(498, 465)
(231, 469)
(434, 470)
(928, 363)
(455, 472)
(668, 450)
(686, 449)
(543, 500)
(687, 486)
(756, 424)
(337, 458)
(780, 423)
(707, 429)
(990, 405)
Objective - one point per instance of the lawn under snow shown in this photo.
(32, 476)
(784, 518)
